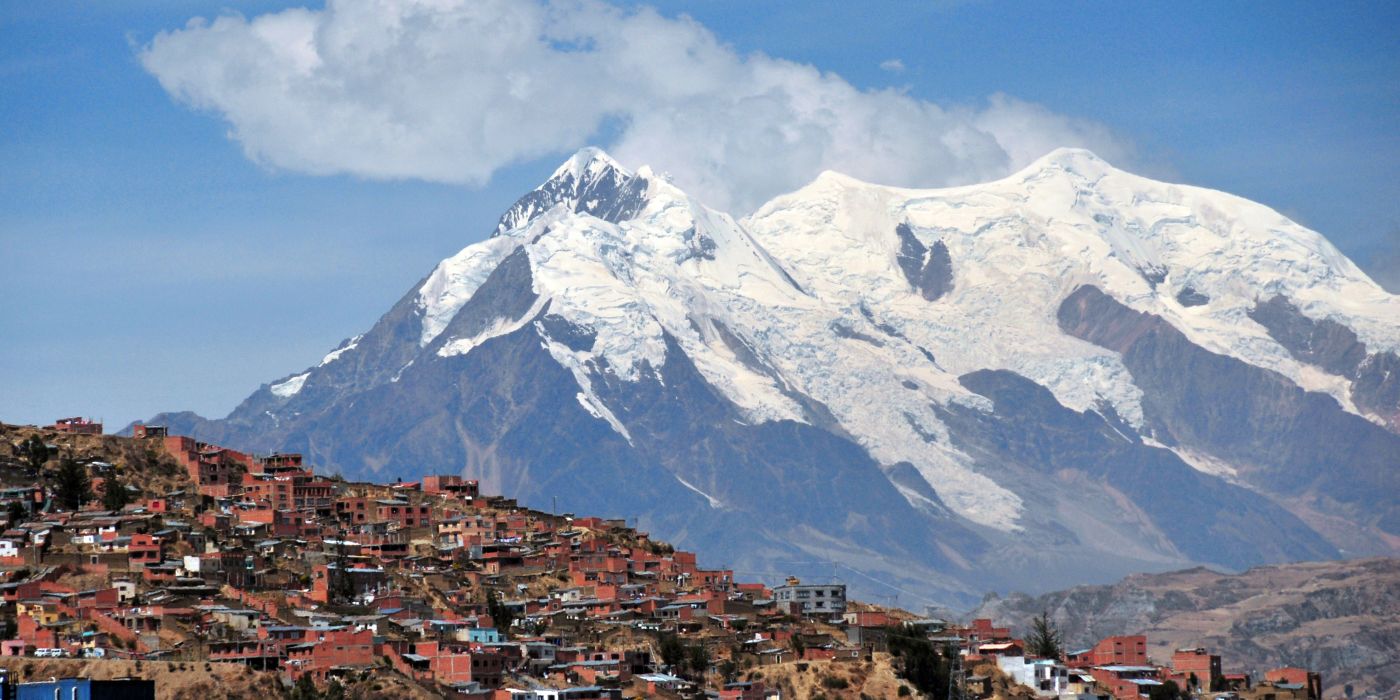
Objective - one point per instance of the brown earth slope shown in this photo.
(175, 680)
(1340, 618)
(140, 463)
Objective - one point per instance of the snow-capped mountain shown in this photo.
(1074, 371)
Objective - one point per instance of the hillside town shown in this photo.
(159, 550)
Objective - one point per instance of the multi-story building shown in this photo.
(1129, 650)
(76, 425)
(1196, 665)
(815, 599)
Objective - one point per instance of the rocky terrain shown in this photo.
(1340, 618)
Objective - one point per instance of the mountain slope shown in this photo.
(1339, 618)
(904, 383)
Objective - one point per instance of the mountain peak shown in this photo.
(589, 182)
(589, 160)
(1076, 161)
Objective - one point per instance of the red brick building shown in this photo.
(1128, 650)
(333, 648)
(461, 665)
(451, 485)
(144, 550)
(141, 432)
(1310, 680)
(76, 425)
(216, 470)
(1196, 663)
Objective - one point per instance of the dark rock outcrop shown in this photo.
(1188, 296)
(928, 269)
(1293, 444)
(1325, 343)
(1335, 348)
(1218, 522)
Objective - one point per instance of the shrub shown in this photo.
(903, 691)
(835, 683)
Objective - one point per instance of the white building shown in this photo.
(816, 599)
(1045, 676)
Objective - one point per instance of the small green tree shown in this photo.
(728, 670)
(672, 652)
(500, 613)
(305, 689)
(919, 661)
(36, 452)
(72, 488)
(1044, 640)
(1165, 691)
(699, 659)
(334, 690)
(114, 494)
(16, 512)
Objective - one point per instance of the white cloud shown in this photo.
(893, 65)
(453, 90)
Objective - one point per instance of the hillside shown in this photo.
(1339, 618)
(136, 463)
(175, 680)
(200, 680)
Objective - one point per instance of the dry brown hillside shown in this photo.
(175, 680)
(139, 463)
(1341, 618)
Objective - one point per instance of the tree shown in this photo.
(672, 652)
(16, 513)
(72, 488)
(114, 494)
(699, 659)
(1044, 640)
(499, 612)
(920, 662)
(728, 670)
(305, 689)
(1165, 691)
(334, 690)
(36, 452)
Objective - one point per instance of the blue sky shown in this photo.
(151, 265)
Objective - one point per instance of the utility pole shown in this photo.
(957, 683)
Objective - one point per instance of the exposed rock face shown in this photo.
(1288, 442)
(1190, 297)
(929, 269)
(1335, 348)
(1339, 618)
(1325, 343)
(1218, 521)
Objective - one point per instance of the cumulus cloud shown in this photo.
(892, 65)
(453, 90)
